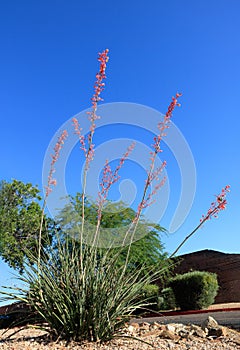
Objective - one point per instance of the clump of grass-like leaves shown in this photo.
(89, 304)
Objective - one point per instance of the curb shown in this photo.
(189, 312)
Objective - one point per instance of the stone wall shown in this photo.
(226, 266)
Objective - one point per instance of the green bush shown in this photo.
(168, 301)
(150, 294)
(194, 290)
(150, 290)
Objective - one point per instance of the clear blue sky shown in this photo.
(48, 66)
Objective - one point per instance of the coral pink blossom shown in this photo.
(153, 175)
(218, 205)
(55, 156)
(86, 145)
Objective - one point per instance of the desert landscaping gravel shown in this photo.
(159, 336)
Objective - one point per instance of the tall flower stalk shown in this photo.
(50, 183)
(213, 211)
(88, 147)
(152, 174)
(108, 179)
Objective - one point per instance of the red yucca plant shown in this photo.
(79, 290)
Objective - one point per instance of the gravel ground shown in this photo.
(33, 339)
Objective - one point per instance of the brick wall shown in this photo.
(226, 266)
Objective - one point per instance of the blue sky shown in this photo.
(48, 66)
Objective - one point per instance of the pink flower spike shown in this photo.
(99, 85)
(217, 206)
(53, 182)
(92, 116)
(154, 174)
(55, 156)
(78, 131)
(163, 125)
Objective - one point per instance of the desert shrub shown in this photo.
(150, 295)
(168, 300)
(78, 290)
(150, 290)
(194, 290)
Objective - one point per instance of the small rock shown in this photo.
(144, 325)
(155, 325)
(210, 322)
(131, 329)
(198, 331)
(135, 325)
(179, 327)
(144, 328)
(224, 331)
(184, 333)
(216, 332)
(169, 335)
(182, 330)
(155, 332)
(171, 328)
